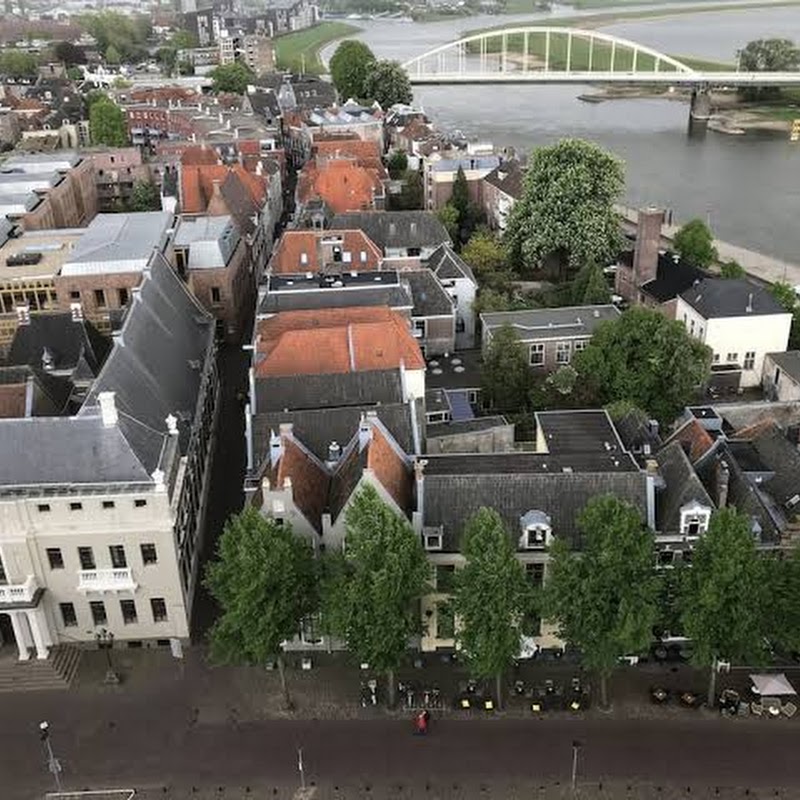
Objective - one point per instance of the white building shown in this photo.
(739, 321)
(460, 283)
(101, 512)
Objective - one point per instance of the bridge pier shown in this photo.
(699, 110)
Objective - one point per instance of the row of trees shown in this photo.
(604, 595)
(358, 74)
(642, 358)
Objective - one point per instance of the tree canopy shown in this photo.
(264, 579)
(350, 67)
(506, 377)
(68, 53)
(18, 63)
(565, 217)
(767, 55)
(126, 34)
(145, 197)
(694, 243)
(785, 294)
(107, 123)
(233, 78)
(492, 598)
(647, 359)
(604, 598)
(387, 83)
(372, 593)
(723, 594)
(732, 269)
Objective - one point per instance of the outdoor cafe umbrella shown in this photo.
(772, 685)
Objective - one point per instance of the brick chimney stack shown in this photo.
(648, 241)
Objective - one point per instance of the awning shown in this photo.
(772, 685)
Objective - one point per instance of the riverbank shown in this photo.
(300, 51)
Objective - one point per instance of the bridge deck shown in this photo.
(718, 79)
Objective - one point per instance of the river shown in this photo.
(747, 187)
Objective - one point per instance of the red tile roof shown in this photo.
(335, 340)
(343, 185)
(694, 438)
(197, 155)
(365, 154)
(389, 467)
(309, 480)
(287, 257)
(197, 185)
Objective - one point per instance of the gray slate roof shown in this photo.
(789, 363)
(475, 425)
(720, 297)
(393, 296)
(783, 458)
(552, 323)
(395, 229)
(681, 486)
(580, 431)
(448, 265)
(507, 177)
(430, 297)
(211, 241)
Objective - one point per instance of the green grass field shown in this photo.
(299, 52)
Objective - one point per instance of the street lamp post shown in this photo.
(105, 641)
(576, 746)
(53, 764)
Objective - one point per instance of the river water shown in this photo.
(747, 187)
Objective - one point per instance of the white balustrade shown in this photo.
(19, 592)
(116, 579)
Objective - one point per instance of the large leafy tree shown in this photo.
(647, 359)
(107, 123)
(782, 612)
(785, 294)
(603, 595)
(264, 578)
(233, 78)
(126, 34)
(506, 377)
(565, 217)
(492, 598)
(350, 67)
(723, 595)
(372, 590)
(145, 197)
(694, 243)
(70, 54)
(767, 55)
(17, 63)
(387, 83)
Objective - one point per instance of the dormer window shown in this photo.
(433, 539)
(536, 531)
(694, 519)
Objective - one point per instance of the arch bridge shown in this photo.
(546, 54)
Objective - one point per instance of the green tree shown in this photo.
(107, 123)
(411, 196)
(732, 270)
(18, 64)
(647, 359)
(782, 611)
(233, 78)
(387, 83)
(596, 291)
(397, 164)
(69, 54)
(603, 595)
(350, 67)
(112, 55)
(506, 378)
(491, 600)
(723, 594)
(767, 55)
(373, 589)
(460, 199)
(694, 243)
(264, 579)
(145, 197)
(565, 217)
(126, 34)
(448, 216)
(485, 253)
(785, 294)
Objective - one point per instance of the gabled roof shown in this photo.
(673, 276)
(695, 440)
(430, 297)
(198, 155)
(507, 177)
(30, 392)
(335, 340)
(789, 363)
(713, 298)
(782, 458)
(681, 486)
(197, 185)
(448, 265)
(396, 229)
(300, 251)
(342, 184)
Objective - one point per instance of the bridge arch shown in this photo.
(531, 51)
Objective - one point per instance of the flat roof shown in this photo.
(459, 370)
(584, 431)
(340, 280)
(55, 247)
(528, 463)
(552, 323)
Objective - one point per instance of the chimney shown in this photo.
(723, 481)
(23, 315)
(172, 425)
(108, 409)
(334, 452)
(749, 308)
(648, 239)
(275, 448)
(158, 478)
(364, 433)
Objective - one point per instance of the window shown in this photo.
(140, 503)
(749, 359)
(55, 558)
(98, 608)
(433, 539)
(122, 296)
(309, 630)
(537, 355)
(117, 553)
(3, 577)
(216, 295)
(363, 256)
(461, 325)
(666, 558)
(732, 358)
(108, 504)
(536, 537)
(691, 328)
(100, 298)
(304, 258)
(74, 295)
(149, 555)
(716, 358)
(694, 520)
(75, 506)
(581, 345)
(535, 573)
(86, 557)
(43, 508)
(563, 352)
(445, 575)
(419, 328)
(68, 615)
(700, 332)
(159, 608)
(128, 609)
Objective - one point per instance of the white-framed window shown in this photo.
(581, 345)
(347, 257)
(749, 359)
(535, 531)
(700, 332)
(694, 519)
(536, 537)
(732, 358)
(363, 257)
(715, 359)
(563, 352)
(419, 328)
(691, 327)
(304, 258)
(537, 354)
(433, 539)
(309, 630)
